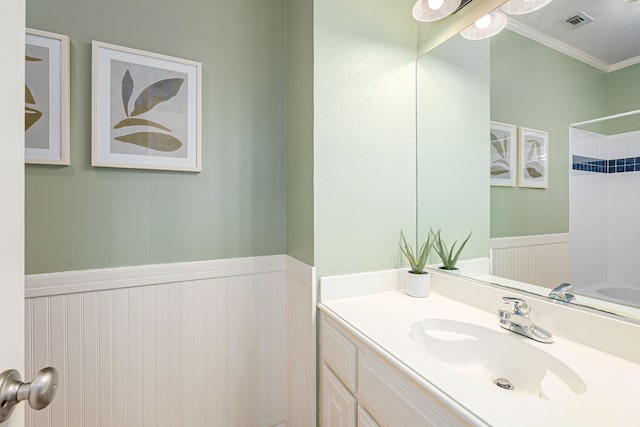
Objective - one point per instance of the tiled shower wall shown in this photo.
(604, 224)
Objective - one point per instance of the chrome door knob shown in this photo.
(39, 392)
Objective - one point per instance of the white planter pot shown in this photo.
(418, 285)
(454, 271)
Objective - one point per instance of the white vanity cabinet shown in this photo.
(361, 388)
(339, 406)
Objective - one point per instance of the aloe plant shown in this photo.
(417, 260)
(448, 256)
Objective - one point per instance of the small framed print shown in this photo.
(504, 147)
(534, 158)
(46, 104)
(146, 110)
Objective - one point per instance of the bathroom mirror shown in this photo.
(583, 227)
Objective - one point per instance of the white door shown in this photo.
(12, 27)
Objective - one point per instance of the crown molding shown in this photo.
(624, 64)
(544, 39)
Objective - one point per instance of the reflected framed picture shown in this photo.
(504, 146)
(146, 110)
(46, 101)
(534, 158)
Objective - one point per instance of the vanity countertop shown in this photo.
(612, 393)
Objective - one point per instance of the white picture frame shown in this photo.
(146, 110)
(47, 125)
(534, 158)
(503, 140)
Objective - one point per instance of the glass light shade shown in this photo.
(485, 27)
(433, 10)
(520, 7)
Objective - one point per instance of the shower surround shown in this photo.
(604, 188)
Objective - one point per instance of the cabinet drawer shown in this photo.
(340, 355)
(396, 401)
(338, 405)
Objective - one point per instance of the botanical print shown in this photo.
(46, 98)
(503, 154)
(534, 158)
(36, 109)
(148, 110)
(534, 163)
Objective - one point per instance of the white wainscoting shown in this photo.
(189, 344)
(301, 348)
(542, 260)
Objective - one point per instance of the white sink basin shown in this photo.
(486, 355)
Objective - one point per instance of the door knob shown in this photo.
(39, 392)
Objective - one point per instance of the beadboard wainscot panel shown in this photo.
(301, 324)
(542, 260)
(188, 344)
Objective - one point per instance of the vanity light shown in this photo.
(520, 7)
(487, 26)
(433, 10)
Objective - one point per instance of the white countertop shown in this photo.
(613, 384)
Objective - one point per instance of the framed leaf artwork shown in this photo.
(46, 100)
(146, 110)
(534, 158)
(504, 146)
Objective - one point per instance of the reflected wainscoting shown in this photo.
(215, 343)
(542, 260)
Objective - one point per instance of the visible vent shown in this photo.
(578, 20)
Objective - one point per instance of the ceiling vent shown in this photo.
(578, 20)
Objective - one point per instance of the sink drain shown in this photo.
(503, 383)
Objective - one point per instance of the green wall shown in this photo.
(537, 87)
(453, 121)
(364, 133)
(80, 217)
(623, 94)
(299, 54)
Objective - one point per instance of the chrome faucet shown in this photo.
(518, 322)
(560, 293)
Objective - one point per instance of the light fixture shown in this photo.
(433, 10)
(520, 7)
(487, 26)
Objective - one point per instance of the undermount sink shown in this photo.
(498, 359)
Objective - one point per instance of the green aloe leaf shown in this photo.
(153, 140)
(127, 90)
(139, 122)
(28, 96)
(156, 93)
(449, 257)
(31, 116)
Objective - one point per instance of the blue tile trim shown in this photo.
(592, 164)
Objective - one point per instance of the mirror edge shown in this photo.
(433, 34)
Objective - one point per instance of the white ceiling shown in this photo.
(611, 42)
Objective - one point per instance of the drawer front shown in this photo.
(338, 405)
(364, 419)
(397, 402)
(339, 354)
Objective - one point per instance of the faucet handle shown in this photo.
(520, 306)
(561, 293)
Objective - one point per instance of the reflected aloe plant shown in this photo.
(152, 95)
